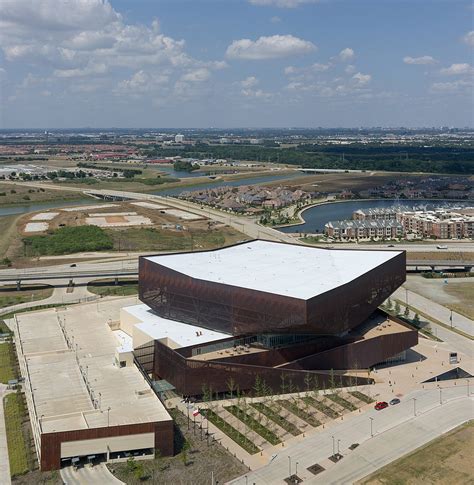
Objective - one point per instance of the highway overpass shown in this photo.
(78, 273)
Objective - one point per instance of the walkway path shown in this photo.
(392, 426)
(4, 463)
(437, 311)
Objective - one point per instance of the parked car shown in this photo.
(441, 246)
(394, 401)
(73, 265)
(391, 246)
(381, 405)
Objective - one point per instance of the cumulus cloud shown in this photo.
(196, 75)
(90, 42)
(457, 69)
(469, 38)
(280, 3)
(273, 47)
(249, 82)
(346, 54)
(362, 79)
(458, 86)
(422, 60)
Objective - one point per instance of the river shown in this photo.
(316, 217)
(37, 206)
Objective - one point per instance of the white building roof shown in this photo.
(182, 334)
(283, 269)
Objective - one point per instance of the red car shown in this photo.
(381, 405)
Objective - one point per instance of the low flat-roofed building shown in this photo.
(81, 401)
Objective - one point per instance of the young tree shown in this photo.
(389, 304)
(406, 313)
(184, 452)
(416, 320)
(397, 308)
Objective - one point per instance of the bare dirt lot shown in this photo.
(457, 294)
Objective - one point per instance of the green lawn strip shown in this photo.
(275, 417)
(230, 431)
(11, 296)
(109, 288)
(4, 328)
(341, 401)
(17, 447)
(7, 363)
(434, 320)
(293, 408)
(255, 425)
(320, 406)
(361, 396)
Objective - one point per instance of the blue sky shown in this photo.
(235, 63)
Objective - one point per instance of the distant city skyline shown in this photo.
(239, 63)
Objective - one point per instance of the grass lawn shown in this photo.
(341, 401)
(447, 459)
(15, 413)
(254, 424)
(107, 287)
(67, 240)
(7, 362)
(19, 194)
(305, 416)
(230, 431)
(9, 234)
(155, 239)
(194, 468)
(464, 293)
(275, 417)
(10, 296)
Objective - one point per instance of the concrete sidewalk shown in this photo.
(318, 448)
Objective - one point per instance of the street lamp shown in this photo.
(333, 446)
(440, 395)
(296, 468)
(414, 406)
(371, 427)
(108, 416)
(289, 466)
(406, 296)
(451, 318)
(338, 451)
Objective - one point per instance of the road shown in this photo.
(97, 475)
(395, 430)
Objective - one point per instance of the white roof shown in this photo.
(181, 334)
(283, 269)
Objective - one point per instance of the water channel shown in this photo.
(316, 217)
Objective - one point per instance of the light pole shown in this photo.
(440, 395)
(108, 416)
(333, 445)
(468, 389)
(296, 468)
(371, 427)
(338, 451)
(451, 318)
(414, 406)
(406, 296)
(289, 466)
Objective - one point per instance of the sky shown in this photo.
(235, 63)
